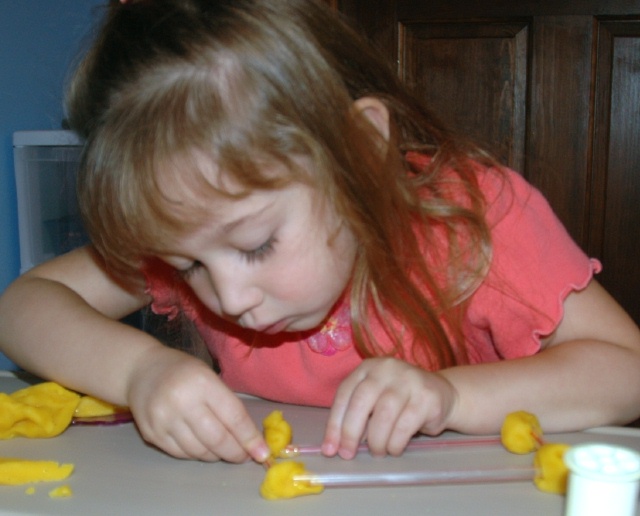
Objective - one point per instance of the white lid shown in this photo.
(603, 462)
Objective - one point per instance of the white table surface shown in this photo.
(116, 473)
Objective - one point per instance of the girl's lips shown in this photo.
(274, 328)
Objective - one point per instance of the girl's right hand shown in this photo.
(181, 406)
(387, 401)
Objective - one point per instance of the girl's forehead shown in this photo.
(192, 205)
(190, 174)
(196, 188)
(196, 171)
(212, 214)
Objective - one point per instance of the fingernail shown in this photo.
(261, 453)
(346, 454)
(328, 449)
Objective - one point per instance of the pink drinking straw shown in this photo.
(294, 450)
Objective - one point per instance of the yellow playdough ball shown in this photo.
(279, 482)
(277, 432)
(521, 432)
(551, 471)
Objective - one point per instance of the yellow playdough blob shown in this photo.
(15, 472)
(277, 432)
(279, 482)
(61, 492)
(93, 407)
(521, 432)
(551, 471)
(42, 410)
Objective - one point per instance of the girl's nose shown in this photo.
(236, 295)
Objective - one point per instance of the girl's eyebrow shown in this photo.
(228, 227)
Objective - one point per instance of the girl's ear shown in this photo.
(376, 112)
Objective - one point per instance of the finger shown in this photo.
(406, 426)
(189, 449)
(333, 432)
(211, 437)
(356, 418)
(180, 442)
(242, 428)
(333, 436)
(383, 422)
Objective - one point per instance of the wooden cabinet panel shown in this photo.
(553, 88)
(444, 61)
(615, 217)
(560, 114)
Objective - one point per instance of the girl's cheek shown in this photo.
(205, 293)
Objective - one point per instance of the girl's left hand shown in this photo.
(387, 401)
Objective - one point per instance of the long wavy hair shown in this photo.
(249, 82)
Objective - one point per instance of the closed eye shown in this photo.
(260, 253)
(191, 270)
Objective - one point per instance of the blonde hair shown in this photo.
(245, 82)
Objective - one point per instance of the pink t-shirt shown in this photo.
(535, 265)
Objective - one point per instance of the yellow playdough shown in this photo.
(551, 471)
(15, 472)
(277, 432)
(521, 432)
(42, 410)
(94, 407)
(279, 482)
(61, 492)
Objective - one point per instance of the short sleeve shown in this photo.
(170, 295)
(535, 266)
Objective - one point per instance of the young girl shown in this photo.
(252, 166)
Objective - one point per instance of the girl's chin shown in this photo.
(310, 324)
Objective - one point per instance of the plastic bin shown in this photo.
(49, 223)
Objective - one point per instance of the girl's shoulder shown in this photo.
(510, 199)
(456, 180)
(502, 191)
(535, 265)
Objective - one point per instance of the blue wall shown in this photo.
(39, 40)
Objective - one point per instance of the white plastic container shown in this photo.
(49, 224)
(603, 480)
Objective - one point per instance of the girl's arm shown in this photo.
(57, 317)
(60, 321)
(587, 374)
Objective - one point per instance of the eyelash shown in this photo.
(260, 253)
(255, 255)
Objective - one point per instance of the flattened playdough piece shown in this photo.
(61, 492)
(94, 407)
(15, 472)
(42, 410)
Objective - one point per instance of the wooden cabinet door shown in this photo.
(552, 88)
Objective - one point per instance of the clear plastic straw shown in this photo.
(415, 445)
(414, 478)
